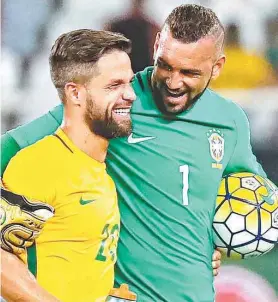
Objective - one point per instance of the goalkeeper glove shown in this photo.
(21, 221)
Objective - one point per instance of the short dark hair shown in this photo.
(74, 55)
(190, 22)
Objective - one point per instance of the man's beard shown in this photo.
(158, 98)
(104, 125)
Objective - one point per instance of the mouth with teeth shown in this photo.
(175, 94)
(122, 111)
(175, 98)
(174, 101)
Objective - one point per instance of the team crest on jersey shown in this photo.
(216, 147)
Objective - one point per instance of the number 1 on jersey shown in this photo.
(185, 173)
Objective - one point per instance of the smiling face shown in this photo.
(110, 96)
(182, 71)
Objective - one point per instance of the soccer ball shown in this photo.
(246, 215)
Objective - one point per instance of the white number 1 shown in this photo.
(185, 173)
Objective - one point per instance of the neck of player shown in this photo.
(79, 133)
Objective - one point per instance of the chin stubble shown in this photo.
(107, 127)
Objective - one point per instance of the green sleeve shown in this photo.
(243, 159)
(28, 134)
(9, 148)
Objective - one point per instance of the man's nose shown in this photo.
(129, 93)
(174, 81)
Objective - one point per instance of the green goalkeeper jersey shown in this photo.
(167, 174)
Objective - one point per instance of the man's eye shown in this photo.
(194, 75)
(163, 65)
(114, 86)
(190, 74)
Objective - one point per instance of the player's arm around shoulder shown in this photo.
(9, 148)
(27, 134)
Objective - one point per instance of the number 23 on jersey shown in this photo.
(108, 246)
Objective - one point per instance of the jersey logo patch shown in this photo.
(216, 147)
(83, 202)
(136, 140)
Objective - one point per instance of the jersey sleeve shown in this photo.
(28, 134)
(243, 159)
(29, 177)
(9, 148)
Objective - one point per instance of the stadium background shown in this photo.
(29, 27)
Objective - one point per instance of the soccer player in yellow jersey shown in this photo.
(73, 258)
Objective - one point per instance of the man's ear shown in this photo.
(156, 44)
(75, 93)
(218, 66)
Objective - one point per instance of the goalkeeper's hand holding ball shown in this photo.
(21, 221)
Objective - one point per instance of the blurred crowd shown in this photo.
(30, 27)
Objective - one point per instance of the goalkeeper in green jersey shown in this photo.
(167, 172)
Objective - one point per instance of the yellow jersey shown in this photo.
(74, 256)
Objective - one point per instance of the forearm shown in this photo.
(18, 284)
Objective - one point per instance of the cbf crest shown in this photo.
(216, 147)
